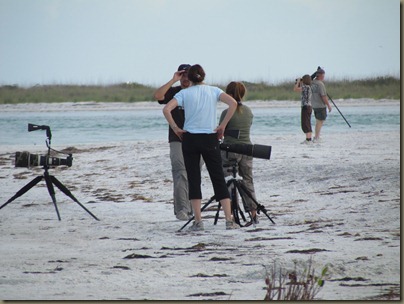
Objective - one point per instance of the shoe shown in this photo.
(307, 142)
(254, 221)
(183, 216)
(317, 140)
(196, 226)
(231, 225)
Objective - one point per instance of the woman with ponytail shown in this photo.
(241, 121)
(200, 137)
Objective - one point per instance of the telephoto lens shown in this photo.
(25, 160)
(257, 151)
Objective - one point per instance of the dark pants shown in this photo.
(206, 145)
(306, 119)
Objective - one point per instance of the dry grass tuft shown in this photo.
(294, 285)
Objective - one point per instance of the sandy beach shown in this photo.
(337, 202)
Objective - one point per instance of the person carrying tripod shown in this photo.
(319, 102)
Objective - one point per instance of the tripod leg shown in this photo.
(217, 213)
(233, 201)
(69, 194)
(203, 208)
(51, 191)
(244, 191)
(23, 190)
(243, 195)
(234, 207)
(237, 210)
(235, 204)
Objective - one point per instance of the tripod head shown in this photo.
(234, 166)
(32, 127)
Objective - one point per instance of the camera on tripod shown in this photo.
(257, 151)
(26, 160)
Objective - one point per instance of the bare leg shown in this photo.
(253, 213)
(226, 203)
(319, 124)
(308, 135)
(196, 206)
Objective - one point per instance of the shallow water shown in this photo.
(72, 127)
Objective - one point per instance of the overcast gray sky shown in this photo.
(111, 41)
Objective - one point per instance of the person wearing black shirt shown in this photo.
(182, 204)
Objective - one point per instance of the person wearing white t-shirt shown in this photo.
(200, 137)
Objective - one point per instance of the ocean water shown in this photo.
(70, 128)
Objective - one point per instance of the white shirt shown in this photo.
(199, 103)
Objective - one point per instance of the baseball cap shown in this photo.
(184, 67)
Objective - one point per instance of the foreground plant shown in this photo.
(292, 285)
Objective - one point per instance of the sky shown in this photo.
(112, 41)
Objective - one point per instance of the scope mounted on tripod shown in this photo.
(25, 159)
(257, 151)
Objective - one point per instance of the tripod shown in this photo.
(235, 181)
(50, 181)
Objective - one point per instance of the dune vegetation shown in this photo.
(375, 88)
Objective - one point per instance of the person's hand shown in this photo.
(220, 132)
(177, 76)
(329, 108)
(179, 132)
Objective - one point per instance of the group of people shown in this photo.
(313, 99)
(191, 112)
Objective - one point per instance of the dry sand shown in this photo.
(337, 202)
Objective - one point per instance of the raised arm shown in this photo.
(161, 92)
(298, 86)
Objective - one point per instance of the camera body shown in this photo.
(25, 159)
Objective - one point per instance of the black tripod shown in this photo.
(50, 181)
(235, 182)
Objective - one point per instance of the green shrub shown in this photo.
(376, 88)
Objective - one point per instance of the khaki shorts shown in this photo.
(320, 113)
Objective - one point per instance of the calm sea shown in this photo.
(86, 127)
